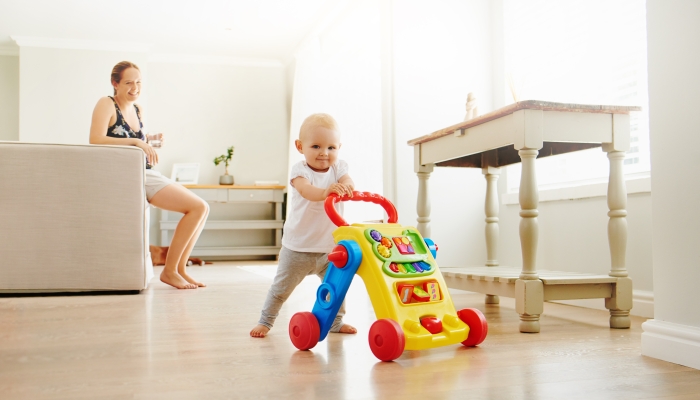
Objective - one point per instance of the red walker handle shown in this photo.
(329, 206)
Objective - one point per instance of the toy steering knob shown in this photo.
(329, 206)
(339, 256)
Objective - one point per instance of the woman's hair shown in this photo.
(119, 69)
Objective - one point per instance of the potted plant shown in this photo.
(225, 179)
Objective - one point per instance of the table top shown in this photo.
(553, 128)
(234, 187)
(523, 105)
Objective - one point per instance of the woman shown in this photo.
(118, 120)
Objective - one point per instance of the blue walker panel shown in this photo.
(331, 293)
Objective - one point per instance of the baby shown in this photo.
(308, 232)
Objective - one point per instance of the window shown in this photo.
(588, 52)
(338, 72)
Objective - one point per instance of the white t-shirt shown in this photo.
(308, 228)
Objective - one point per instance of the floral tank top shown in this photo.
(121, 129)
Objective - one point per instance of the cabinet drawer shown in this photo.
(250, 195)
(209, 194)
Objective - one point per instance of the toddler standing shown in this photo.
(308, 232)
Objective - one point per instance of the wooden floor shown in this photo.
(170, 344)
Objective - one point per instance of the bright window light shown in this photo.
(579, 51)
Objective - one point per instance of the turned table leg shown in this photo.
(491, 209)
(529, 292)
(620, 303)
(423, 204)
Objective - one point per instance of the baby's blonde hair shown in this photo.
(319, 119)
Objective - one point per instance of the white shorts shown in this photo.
(155, 181)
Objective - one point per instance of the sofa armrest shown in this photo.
(72, 217)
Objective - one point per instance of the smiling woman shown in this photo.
(118, 120)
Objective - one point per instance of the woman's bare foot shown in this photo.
(259, 331)
(175, 280)
(345, 328)
(190, 279)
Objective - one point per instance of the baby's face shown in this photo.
(320, 147)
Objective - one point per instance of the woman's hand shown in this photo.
(150, 152)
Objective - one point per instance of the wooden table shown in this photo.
(522, 132)
(232, 195)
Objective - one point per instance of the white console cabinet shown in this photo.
(230, 196)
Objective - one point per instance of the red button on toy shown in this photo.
(432, 324)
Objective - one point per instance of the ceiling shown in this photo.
(268, 29)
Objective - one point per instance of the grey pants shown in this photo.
(293, 267)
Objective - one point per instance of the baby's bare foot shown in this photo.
(347, 329)
(191, 280)
(260, 331)
(175, 280)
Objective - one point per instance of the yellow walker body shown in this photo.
(413, 307)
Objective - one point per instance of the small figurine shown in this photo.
(472, 109)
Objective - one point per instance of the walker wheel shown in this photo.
(478, 327)
(386, 339)
(304, 330)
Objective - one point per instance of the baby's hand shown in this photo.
(339, 189)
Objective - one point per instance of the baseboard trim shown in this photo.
(679, 344)
(642, 303)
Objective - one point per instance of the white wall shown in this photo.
(9, 97)
(59, 88)
(674, 62)
(442, 52)
(203, 109)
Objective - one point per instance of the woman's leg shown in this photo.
(182, 265)
(176, 198)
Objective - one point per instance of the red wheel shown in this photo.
(478, 327)
(304, 330)
(386, 339)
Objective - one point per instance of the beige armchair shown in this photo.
(72, 218)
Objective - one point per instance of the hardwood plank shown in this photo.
(170, 344)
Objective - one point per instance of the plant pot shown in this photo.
(226, 180)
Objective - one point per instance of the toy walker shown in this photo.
(410, 299)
